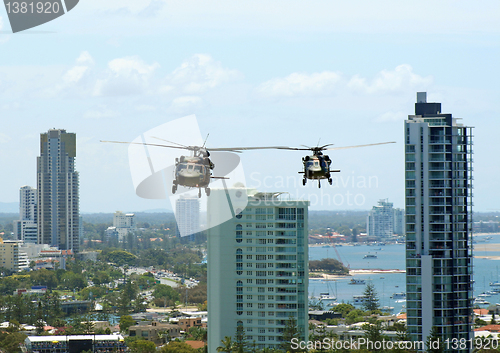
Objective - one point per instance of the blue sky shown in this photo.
(254, 73)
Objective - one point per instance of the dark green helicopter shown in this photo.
(317, 166)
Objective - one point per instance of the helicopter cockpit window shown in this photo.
(190, 167)
(198, 168)
(182, 166)
(310, 164)
(316, 163)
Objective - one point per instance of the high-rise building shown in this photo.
(438, 224)
(257, 267)
(380, 220)
(187, 216)
(399, 221)
(9, 254)
(123, 224)
(58, 196)
(26, 228)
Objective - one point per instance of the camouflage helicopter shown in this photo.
(317, 166)
(195, 171)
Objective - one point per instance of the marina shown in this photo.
(387, 273)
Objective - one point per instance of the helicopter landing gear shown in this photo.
(207, 191)
(174, 188)
(330, 181)
(304, 181)
(199, 193)
(319, 183)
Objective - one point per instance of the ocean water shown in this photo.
(391, 257)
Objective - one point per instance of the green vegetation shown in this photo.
(328, 265)
(371, 301)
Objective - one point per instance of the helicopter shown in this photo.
(195, 171)
(317, 166)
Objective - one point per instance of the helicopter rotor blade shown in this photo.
(239, 149)
(370, 144)
(175, 143)
(149, 144)
(324, 146)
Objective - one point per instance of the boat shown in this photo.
(401, 295)
(480, 301)
(495, 284)
(326, 300)
(357, 281)
(370, 256)
(358, 299)
(484, 295)
(388, 309)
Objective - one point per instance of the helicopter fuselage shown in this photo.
(193, 172)
(317, 167)
(192, 175)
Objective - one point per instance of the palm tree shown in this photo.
(227, 345)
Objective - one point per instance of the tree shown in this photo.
(125, 322)
(227, 345)
(142, 346)
(373, 333)
(371, 300)
(240, 343)
(290, 332)
(433, 342)
(177, 347)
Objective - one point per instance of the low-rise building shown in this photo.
(156, 332)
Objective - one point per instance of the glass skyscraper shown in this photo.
(58, 191)
(438, 224)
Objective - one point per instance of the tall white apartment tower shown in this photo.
(438, 224)
(380, 220)
(26, 228)
(187, 216)
(58, 191)
(257, 267)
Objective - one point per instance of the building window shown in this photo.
(261, 290)
(249, 313)
(249, 257)
(249, 280)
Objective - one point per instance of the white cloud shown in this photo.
(200, 73)
(85, 59)
(299, 84)
(401, 78)
(125, 76)
(4, 138)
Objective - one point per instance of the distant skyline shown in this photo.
(265, 73)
